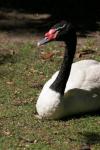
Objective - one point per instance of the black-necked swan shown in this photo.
(75, 89)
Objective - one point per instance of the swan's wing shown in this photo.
(84, 74)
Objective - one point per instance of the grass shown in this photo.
(22, 75)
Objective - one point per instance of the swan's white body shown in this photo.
(82, 92)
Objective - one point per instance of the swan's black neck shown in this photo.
(60, 82)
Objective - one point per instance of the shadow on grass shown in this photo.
(82, 115)
(87, 140)
(8, 58)
(91, 137)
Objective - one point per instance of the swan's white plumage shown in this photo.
(84, 75)
(82, 92)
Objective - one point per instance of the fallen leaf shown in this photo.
(47, 55)
(36, 85)
(85, 52)
(9, 83)
(20, 102)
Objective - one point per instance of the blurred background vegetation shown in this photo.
(85, 14)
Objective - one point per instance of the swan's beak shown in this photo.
(43, 41)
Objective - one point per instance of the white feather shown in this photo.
(82, 92)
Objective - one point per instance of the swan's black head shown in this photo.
(62, 31)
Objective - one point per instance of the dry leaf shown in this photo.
(47, 55)
(9, 83)
(36, 85)
(85, 52)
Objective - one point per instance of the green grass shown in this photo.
(21, 76)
